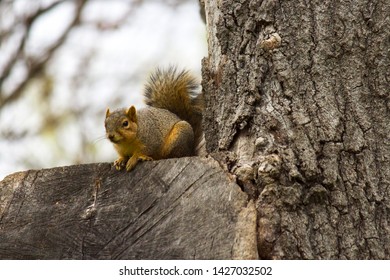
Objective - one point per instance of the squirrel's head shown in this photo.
(121, 125)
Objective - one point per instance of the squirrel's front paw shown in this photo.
(144, 158)
(120, 163)
(131, 163)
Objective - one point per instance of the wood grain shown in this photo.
(172, 209)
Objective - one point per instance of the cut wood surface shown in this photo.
(184, 208)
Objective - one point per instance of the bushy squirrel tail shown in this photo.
(177, 92)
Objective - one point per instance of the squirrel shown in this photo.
(170, 126)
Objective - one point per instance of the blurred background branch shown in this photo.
(34, 65)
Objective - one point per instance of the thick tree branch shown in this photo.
(183, 208)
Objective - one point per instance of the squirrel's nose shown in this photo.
(111, 136)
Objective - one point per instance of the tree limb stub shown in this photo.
(172, 209)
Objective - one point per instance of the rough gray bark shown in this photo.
(172, 209)
(297, 97)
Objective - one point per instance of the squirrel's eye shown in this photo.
(125, 123)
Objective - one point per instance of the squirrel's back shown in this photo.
(153, 126)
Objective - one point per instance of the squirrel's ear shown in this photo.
(131, 113)
(107, 112)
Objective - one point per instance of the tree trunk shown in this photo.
(297, 97)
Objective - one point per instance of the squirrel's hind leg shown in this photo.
(179, 142)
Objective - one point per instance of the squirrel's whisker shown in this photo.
(100, 138)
